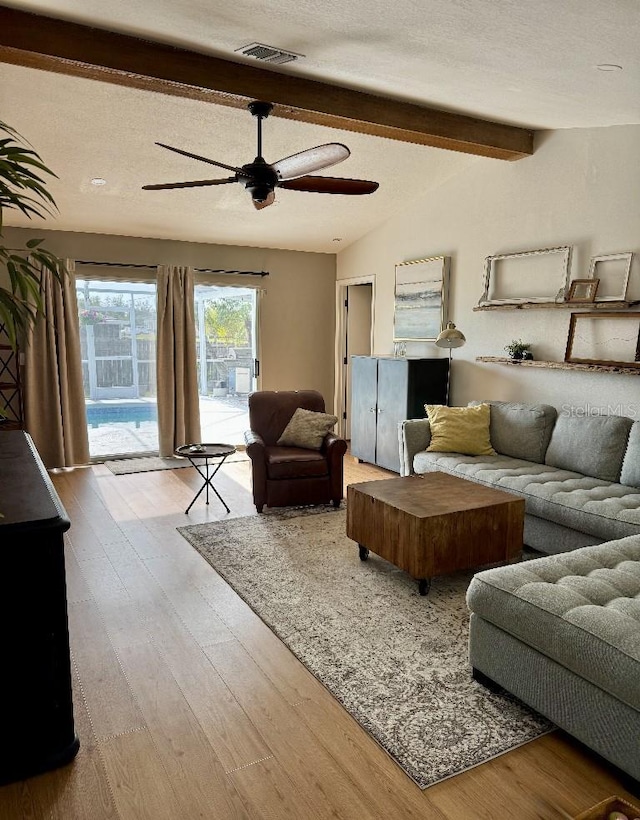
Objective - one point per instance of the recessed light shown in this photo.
(609, 67)
(98, 181)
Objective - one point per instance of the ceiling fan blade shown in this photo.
(202, 159)
(330, 185)
(268, 201)
(313, 159)
(196, 183)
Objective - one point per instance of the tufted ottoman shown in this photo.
(562, 633)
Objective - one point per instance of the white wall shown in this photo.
(580, 188)
(297, 312)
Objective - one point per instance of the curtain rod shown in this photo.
(153, 267)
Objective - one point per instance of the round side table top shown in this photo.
(205, 450)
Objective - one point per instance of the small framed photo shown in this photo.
(583, 290)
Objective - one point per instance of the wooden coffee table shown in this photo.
(434, 524)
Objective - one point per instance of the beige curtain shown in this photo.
(178, 403)
(55, 414)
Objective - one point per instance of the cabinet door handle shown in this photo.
(372, 409)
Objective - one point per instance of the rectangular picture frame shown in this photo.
(619, 265)
(614, 335)
(557, 258)
(420, 299)
(583, 291)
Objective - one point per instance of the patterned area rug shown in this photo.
(148, 464)
(395, 660)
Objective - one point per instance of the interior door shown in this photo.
(358, 342)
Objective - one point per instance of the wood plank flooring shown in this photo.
(187, 706)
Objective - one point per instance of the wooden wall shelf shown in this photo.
(575, 306)
(590, 368)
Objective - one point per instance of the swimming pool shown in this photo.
(121, 413)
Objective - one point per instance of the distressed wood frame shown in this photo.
(591, 287)
(608, 315)
(490, 267)
(627, 256)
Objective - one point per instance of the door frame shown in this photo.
(341, 341)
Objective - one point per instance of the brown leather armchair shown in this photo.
(290, 476)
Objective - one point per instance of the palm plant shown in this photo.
(23, 188)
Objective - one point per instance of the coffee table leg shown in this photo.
(424, 585)
(364, 552)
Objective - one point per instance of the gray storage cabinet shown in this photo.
(386, 390)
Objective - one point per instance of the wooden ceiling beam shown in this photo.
(54, 45)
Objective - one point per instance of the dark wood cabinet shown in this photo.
(36, 713)
(386, 390)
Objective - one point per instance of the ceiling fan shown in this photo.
(262, 178)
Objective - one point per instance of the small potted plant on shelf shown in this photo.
(518, 350)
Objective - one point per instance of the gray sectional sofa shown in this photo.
(561, 632)
(579, 475)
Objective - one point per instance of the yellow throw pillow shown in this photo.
(460, 429)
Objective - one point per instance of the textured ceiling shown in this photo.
(530, 64)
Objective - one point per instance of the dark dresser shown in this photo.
(36, 710)
(386, 390)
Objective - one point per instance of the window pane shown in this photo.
(225, 322)
(118, 347)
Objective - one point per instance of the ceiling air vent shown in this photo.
(268, 54)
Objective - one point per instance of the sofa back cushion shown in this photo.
(521, 430)
(630, 474)
(591, 445)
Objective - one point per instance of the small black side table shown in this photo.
(208, 452)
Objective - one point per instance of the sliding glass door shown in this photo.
(226, 332)
(118, 343)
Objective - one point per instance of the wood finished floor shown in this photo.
(188, 707)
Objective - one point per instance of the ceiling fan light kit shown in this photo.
(261, 178)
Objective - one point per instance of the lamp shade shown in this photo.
(450, 337)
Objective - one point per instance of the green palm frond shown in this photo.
(23, 180)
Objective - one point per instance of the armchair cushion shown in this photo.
(294, 462)
(307, 429)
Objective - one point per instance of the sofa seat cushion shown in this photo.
(581, 609)
(590, 505)
(294, 462)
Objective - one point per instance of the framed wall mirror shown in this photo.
(529, 276)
